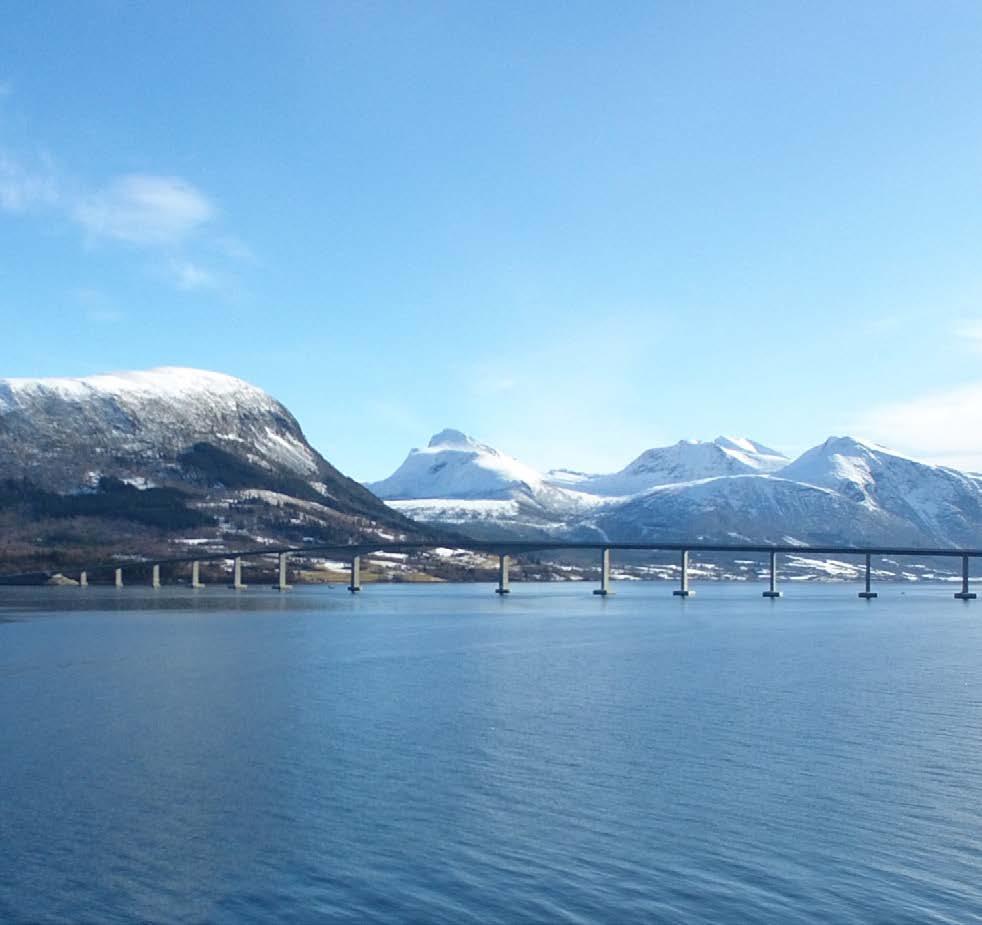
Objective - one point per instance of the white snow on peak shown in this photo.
(685, 461)
(451, 439)
(845, 490)
(755, 455)
(946, 505)
(160, 410)
(845, 459)
(170, 381)
(457, 466)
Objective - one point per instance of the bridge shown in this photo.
(505, 550)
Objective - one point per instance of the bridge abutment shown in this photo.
(355, 585)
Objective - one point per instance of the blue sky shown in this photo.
(575, 230)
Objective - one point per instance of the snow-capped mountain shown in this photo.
(171, 448)
(728, 490)
(454, 465)
(945, 505)
(134, 420)
(457, 480)
(684, 461)
(751, 509)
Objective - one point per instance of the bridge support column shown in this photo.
(772, 588)
(604, 588)
(965, 594)
(83, 579)
(281, 583)
(502, 576)
(155, 577)
(118, 578)
(683, 589)
(355, 585)
(867, 594)
(237, 574)
(196, 574)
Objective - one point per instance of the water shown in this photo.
(437, 754)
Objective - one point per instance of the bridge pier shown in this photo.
(237, 574)
(772, 591)
(281, 576)
(683, 589)
(118, 578)
(196, 574)
(867, 594)
(83, 579)
(604, 589)
(155, 577)
(502, 576)
(965, 594)
(355, 585)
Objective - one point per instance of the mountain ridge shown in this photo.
(844, 490)
(216, 446)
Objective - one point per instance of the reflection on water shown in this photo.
(440, 754)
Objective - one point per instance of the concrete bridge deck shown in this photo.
(506, 549)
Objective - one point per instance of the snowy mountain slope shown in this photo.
(943, 504)
(150, 416)
(730, 490)
(454, 465)
(209, 437)
(684, 461)
(459, 481)
(750, 509)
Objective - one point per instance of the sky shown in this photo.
(574, 230)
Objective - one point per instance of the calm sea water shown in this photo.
(438, 754)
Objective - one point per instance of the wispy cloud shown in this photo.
(944, 427)
(22, 189)
(167, 217)
(188, 275)
(145, 210)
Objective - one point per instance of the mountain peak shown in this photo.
(455, 465)
(450, 438)
(233, 461)
(746, 445)
(162, 380)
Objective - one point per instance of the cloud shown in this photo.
(943, 427)
(187, 276)
(145, 210)
(22, 189)
(166, 216)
